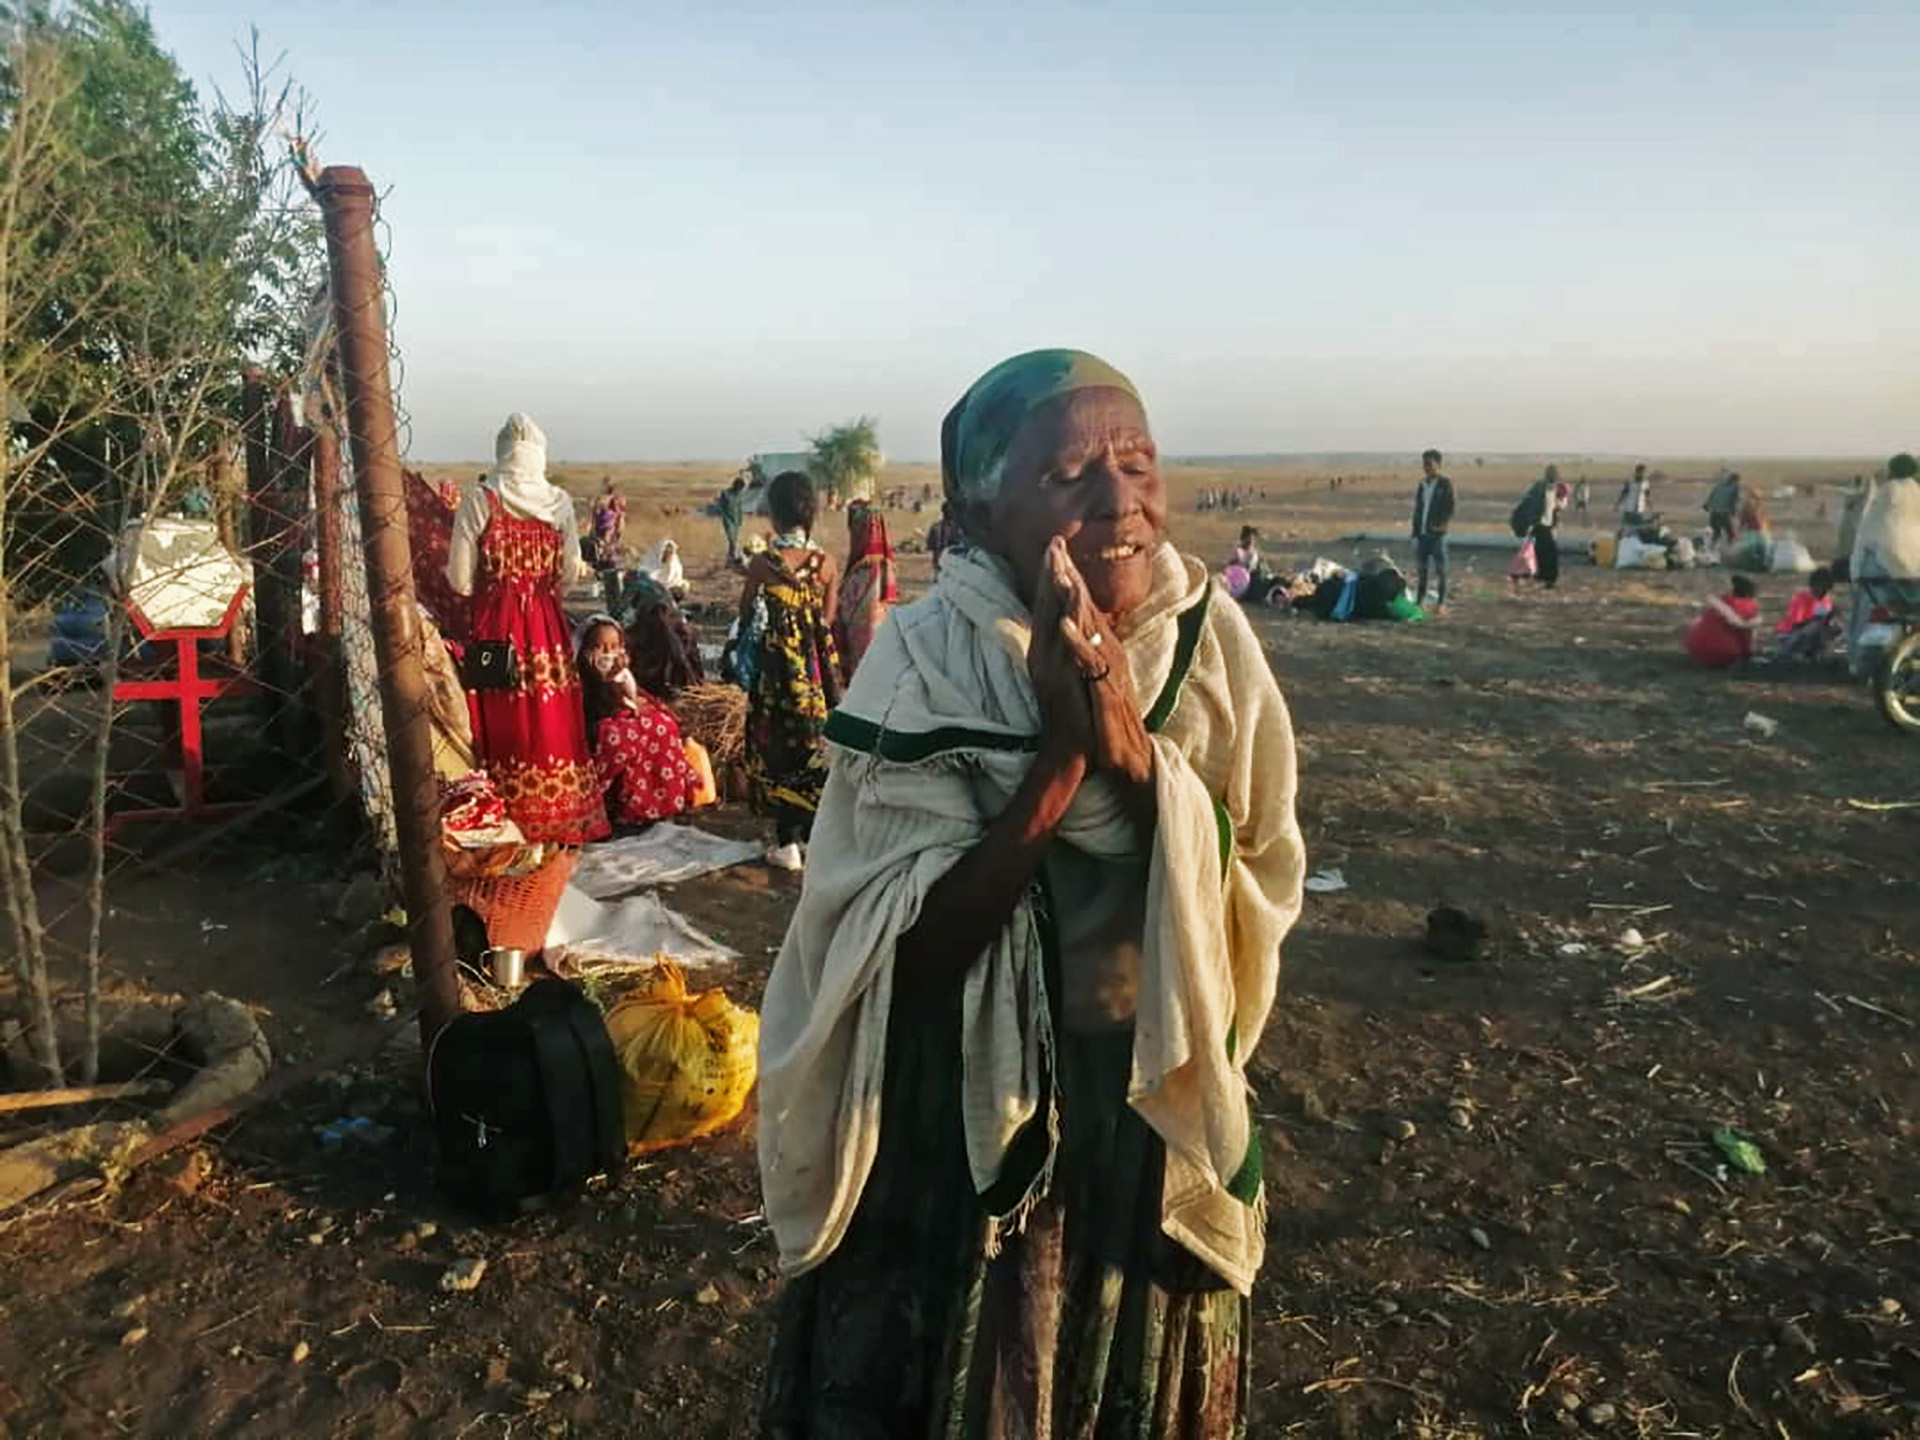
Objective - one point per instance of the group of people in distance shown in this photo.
(1880, 543)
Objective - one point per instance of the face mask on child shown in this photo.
(608, 663)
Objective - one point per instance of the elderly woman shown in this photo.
(1005, 1143)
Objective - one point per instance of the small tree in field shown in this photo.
(847, 457)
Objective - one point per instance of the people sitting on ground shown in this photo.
(1377, 590)
(638, 754)
(1721, 635)
(663, 567)
(1246, 574)
(1809, 622)
(661, 648)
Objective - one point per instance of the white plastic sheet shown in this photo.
(658, 855)
(178, 573)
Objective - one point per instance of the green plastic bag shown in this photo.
(1740, 1152)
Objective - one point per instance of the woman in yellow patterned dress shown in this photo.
(785, 613)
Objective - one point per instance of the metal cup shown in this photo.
(507, 966)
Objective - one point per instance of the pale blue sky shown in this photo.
(675, 231)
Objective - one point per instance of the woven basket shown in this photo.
(517, 910)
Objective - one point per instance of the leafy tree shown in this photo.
(847, 457)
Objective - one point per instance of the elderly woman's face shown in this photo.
(1084, 468)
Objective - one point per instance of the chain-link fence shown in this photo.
(213, 670)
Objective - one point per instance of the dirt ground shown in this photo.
(1496, 1209)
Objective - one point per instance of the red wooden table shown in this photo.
(187, 688)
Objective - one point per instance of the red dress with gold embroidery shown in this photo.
(533, 739)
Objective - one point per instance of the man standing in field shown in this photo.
(731, 503)
(1432, 514)
(1636, 499)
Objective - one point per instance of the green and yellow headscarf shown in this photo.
(978, 432)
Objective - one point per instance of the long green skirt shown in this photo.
(1088, 1325)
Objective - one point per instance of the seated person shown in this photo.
(1722, 634)
(635, 739)
(1809, 621)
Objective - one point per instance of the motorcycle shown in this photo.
(1893, 633)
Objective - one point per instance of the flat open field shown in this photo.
(1547, 1244)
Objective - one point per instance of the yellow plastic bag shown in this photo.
(705, 792)
(686, 1061)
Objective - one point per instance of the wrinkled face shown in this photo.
(606, 651)
(1083, 468)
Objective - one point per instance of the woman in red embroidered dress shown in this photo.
(514, 545)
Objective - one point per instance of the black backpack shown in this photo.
(1529, 512)
(526, 1100)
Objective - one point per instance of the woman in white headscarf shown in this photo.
(515, 546)
(663, 567)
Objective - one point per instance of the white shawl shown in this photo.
(935, 735)
(519, 478)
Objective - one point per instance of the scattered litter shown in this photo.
(133, 1337)
(1479, 1237)
(1632, 939)
(1741, 1152)
(1573, 950)
(1760, 725)
(659, 855)
(1645, 992)
(1881, 807)
(300, 1352)
(361, 1129)
(463, 1276)
(708, 1294)
(1326, 882)
(1600, 1415)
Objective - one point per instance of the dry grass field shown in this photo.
(1496, 1208)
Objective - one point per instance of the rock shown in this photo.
(362, 899)
(133, 1337)
(1460, 1117)
(1387, 1307)
(1632, 939)
(1794, 1338)
(1891, 1307)
(575, 1380)
(425, 1231)
(1479, 1237)
(391, 960)
(1601, 1415)
(186, 1171)
(707, 1294)
(463, 1276)
(129, 1307)
(1403, 1129)
(317, 1237)
(382, 1006)
(1568, 1400)
(300, 1353)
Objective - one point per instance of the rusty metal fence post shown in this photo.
(359, 306)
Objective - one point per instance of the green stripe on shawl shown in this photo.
(979, 431)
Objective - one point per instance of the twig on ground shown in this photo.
(1877, 1009)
